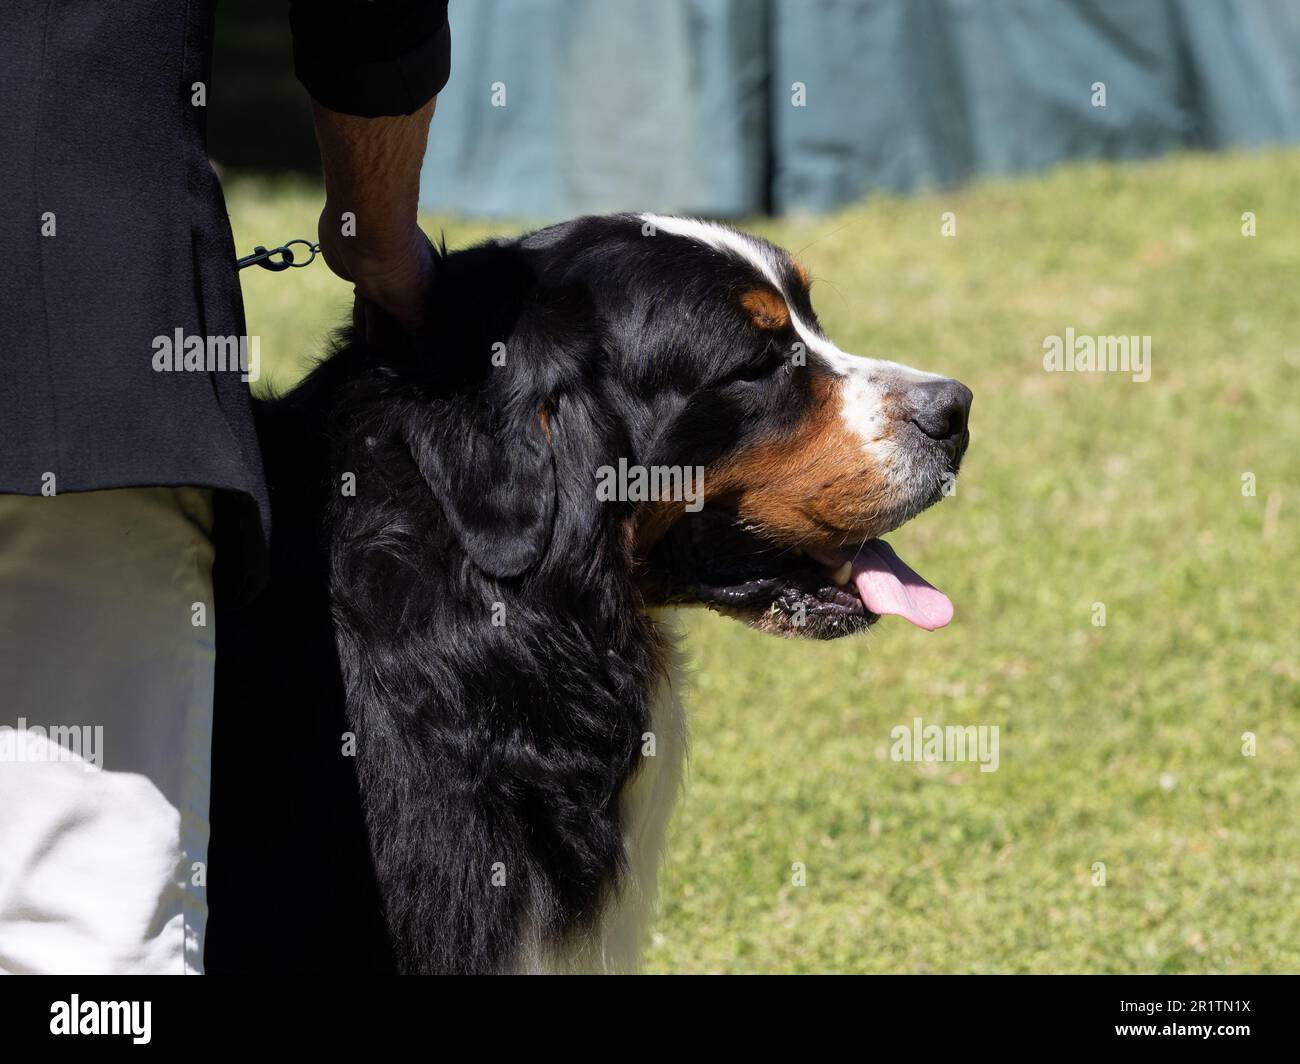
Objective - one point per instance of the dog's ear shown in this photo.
(507, 340)
(494, 475)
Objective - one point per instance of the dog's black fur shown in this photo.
(471, 613)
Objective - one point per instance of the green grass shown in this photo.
(1119, 744)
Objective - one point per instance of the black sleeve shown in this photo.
(371, 57)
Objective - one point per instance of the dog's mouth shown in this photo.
(816, 593)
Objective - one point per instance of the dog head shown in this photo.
(656, 394)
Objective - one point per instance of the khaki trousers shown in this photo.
(106, 673)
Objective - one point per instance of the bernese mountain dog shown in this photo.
(448, 734)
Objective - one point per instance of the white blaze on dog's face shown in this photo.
(876, 443)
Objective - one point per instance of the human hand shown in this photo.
(368, 230)
(392, 274)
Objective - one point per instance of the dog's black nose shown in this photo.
(940, 409)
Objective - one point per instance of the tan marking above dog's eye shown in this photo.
(801, 271)
(766, 309)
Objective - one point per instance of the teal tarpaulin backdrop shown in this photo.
(736, 107)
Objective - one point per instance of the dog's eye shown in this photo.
(757, 369)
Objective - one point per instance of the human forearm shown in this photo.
(368, 229)
(372, 175)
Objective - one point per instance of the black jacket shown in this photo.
(113, 234)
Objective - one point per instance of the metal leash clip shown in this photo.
(268, 261)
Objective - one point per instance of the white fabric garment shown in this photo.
(106, 674)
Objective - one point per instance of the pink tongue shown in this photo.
(888, 586)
